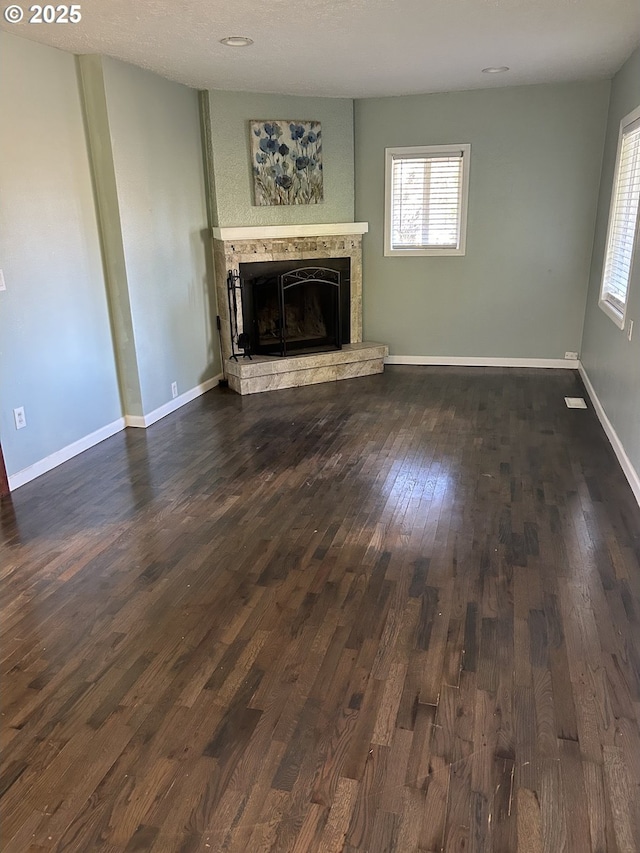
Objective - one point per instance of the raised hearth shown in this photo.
(238, 248)
(263, 373)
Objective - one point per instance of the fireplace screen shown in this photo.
(289, 308)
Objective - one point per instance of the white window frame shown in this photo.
(464, 149)
(612, 310)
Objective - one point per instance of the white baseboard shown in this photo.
(71, 450)
(144, 421)
(464, 361)
(134, 421)
(63, 455)
(625, 463)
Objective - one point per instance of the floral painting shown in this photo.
(286, 158)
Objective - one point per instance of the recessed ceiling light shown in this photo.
(236, 41)
(495, 69)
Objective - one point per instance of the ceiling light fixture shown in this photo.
(236, 41)
(495, 69)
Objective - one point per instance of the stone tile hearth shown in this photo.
(264, 373)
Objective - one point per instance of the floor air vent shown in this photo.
(575, 402)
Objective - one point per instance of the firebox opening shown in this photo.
(295, 307)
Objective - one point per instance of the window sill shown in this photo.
(612, 312)
(434, 253)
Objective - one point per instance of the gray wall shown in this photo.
(230, 113)
(611, 361)
(535, 164)
(157, 159)
(59, 355)
(56, 353)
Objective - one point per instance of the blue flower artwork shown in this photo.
(286, 161)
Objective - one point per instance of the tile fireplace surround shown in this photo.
(235, 246)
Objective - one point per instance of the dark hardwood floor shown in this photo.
(398, 613)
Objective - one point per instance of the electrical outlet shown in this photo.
(174, 389)
(571, 356)
(19, 417)
(3, 284)
(630, 330)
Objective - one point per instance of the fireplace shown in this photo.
(280, 282)
(295, 307)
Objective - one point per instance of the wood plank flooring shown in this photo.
(398, 613)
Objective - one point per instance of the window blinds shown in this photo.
(426, 196)
(622, 224)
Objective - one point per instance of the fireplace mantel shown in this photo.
(274, 232)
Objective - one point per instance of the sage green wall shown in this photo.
(519, 292)
(230, 113)
(115, 267)
(157, 161)
(56, 354)
(611, 361)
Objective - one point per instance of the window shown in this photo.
(623, 221)
(426, 192)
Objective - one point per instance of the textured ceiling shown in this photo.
(354, 48)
